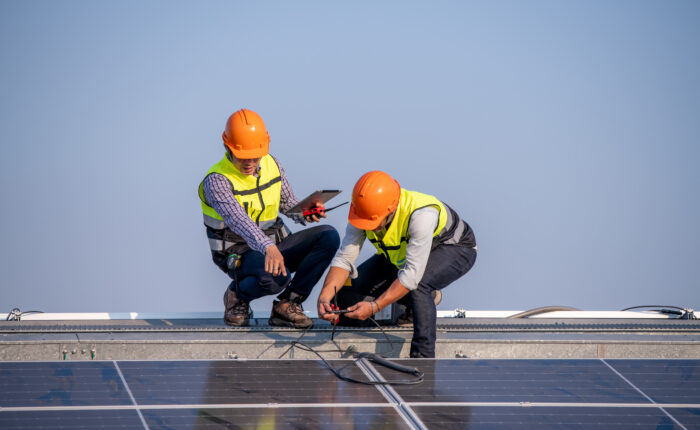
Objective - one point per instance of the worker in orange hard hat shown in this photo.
(422, 246)
(241, 197)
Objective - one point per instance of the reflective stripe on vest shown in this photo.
(393, 244)
(259, 196)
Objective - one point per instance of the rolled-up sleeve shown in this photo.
(349, 250)
(421, 227)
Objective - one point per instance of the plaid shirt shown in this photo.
(219, 195)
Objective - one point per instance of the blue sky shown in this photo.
(566, 133)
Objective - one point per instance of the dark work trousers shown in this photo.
(446, 264)
(307, 252)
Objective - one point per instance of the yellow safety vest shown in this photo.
(393, 244)
(259, 196)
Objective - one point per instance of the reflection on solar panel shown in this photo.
(461, 393)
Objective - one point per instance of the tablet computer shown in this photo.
(320, 196)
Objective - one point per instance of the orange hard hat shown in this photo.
(245, 135)
(376, 195)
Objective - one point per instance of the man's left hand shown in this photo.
(315, 217)
(361, 310)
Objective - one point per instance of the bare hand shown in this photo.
(274, 261)
(324, 312)
(314, 217)
(361, 310)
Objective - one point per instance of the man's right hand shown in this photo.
(324, 311)
(274, 261)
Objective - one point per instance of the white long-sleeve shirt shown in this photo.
(421, 227)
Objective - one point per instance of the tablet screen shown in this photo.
(320, 196)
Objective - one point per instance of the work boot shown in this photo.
(237, 312)
(406, 318)
(288, 313)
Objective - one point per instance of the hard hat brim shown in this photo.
(362, 223)
(245, 154)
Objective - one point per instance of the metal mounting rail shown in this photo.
(452, 325)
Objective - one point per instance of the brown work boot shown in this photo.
(237, 312)
(286, 313)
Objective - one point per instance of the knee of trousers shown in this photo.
(329, 238)
(421, 293)
(273, 284)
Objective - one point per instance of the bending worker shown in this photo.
(242, 196)
(422, 246)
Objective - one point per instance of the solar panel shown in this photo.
(244, 382)
(274, 418)
(503, 380)
(70, 419)
(66, 383)
(508, 417)
(458, 393)
(664, 381)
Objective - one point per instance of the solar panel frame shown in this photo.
(396, 407)
(244, 382)
(516, 380)
(106, 419)
(664, 381)
(61, 383)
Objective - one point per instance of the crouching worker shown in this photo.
(241, 197)
(422, 247)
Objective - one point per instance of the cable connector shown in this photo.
(14, 315)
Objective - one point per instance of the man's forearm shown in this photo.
(395, 291)
(335, 279)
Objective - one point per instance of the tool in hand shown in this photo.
(335, 310)
(317, 210)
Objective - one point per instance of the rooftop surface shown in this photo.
(210, 338)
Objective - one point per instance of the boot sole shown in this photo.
(245, 323)
(278, 322)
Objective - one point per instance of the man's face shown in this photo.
(386, 222)
(247, 166)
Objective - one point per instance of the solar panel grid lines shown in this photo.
(192, 406)
(307, 418)
(67, 419)
(485, 417)
(561, 404)
(503, 380)
(444, 384)
(665, 381)
(557, 397)
(651, 364)
(404, 410)
(131, 396)
(61, 383)
(283, 381)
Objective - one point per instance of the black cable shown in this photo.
(384, 333)
(419, 375)
(303, 332)
(654, 306)
(374, 357)
(542, 310)
(16, 315)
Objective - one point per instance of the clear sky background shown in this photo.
(566, 133)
